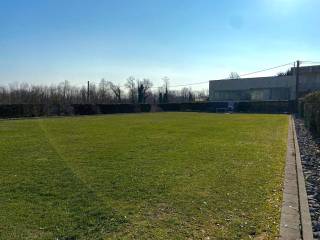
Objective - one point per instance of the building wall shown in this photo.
(309, 82)
(266, 88)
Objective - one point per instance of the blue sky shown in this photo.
(49, 41)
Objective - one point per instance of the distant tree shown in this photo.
(160, 98)
(92, 93)
(64, 88)
(131, 86)
(165, 98)
(83, 94)
(190, 97)
(202, 95)
(116, 89)
(286, 73)
(103, 91)
(184, 93)
(3, 95)
(234, 75)
(144, 88)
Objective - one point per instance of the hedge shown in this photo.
(266, 107)
(309, 109)
(245, 107)
(193, 106)
(22, 110)
(90, 109)
(36, 110)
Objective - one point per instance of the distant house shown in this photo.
(266, 88)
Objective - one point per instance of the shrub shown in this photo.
(311, 111)
(301, 108)
(193, 106)
(35, 110)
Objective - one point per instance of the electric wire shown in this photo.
(242, 75)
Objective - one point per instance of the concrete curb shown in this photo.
(306, 225)
(295, 216)
(290, 216)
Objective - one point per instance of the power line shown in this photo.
(185, 85)
(242, 75)
(267, 69)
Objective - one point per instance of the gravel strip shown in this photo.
(310, 157)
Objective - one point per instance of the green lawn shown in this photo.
(142, 176)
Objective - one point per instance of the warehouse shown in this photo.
(266, 88)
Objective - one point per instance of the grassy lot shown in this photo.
(142, 176)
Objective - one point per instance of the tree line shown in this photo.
(105, 92)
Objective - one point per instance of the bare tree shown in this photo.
(93, 93)
(144, 90)
(131, 86)
(201, 95)
(286, 73)
(184, 93)
(116, 89)
(165, 97)
(83, 94)
(234, 75)
(103, 92)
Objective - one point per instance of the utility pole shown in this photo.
(88, 92)
(297, 80)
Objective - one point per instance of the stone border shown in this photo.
(295, 216)
(306, 225)
(290, 216)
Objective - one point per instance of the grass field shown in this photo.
(142, 176)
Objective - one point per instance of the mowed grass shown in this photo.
(142, 176)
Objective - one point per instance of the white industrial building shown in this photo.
(266, 88)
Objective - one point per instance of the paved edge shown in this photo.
(290, 211)
(295, 220)
(306, 225)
